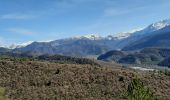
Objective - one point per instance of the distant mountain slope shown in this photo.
(112, 56)
(165, 62)
(144, 56)
(3, 50)
(157, 40)
(78, 47)
(35, 48)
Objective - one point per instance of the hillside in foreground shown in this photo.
(25, 79)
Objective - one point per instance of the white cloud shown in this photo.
(18, 16)
(22, 31)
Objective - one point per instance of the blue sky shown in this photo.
(41, 20)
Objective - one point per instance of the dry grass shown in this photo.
(35, 80)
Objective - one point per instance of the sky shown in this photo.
(42, 20)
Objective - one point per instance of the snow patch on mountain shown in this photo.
(116, 36)
(124, 35)
(160, 25)
(156, 26)
(90, 37)
(14, 46)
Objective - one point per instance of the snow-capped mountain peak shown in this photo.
(159, 25)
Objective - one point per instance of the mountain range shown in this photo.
(155, 35)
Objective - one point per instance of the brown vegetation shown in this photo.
(43, 80)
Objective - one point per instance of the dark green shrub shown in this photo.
(137, 91)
